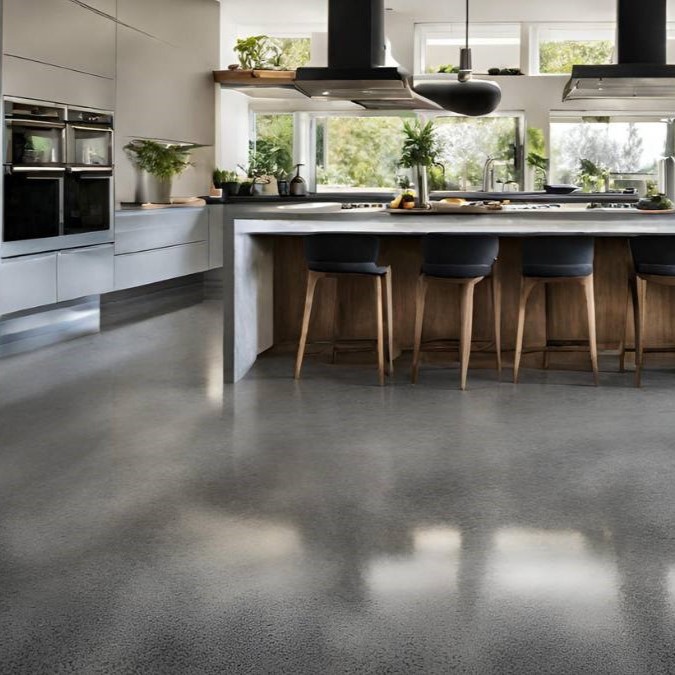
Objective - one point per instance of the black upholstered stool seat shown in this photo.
(654, 262)
(463, 260)
(333, 255)
(557, 259)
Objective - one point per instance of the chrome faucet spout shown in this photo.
(488, 174)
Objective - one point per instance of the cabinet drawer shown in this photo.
(27, 282)
(147, 267)
(85, 271)
(158, 229)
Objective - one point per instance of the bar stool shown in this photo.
(464, 261)
(654, 261)
(339, 255)
(550, 260)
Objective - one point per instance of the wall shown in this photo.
(149, 60)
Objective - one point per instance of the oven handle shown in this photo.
(61, 197)
(83, 128)
(89, 169)
(36, 123)
(37, 169)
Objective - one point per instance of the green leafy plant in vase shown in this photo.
(157, 165)
(258, 52)
(420, 152)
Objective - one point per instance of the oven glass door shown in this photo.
(33, 205)
(88, 202)
(89, 146)
(34, 144)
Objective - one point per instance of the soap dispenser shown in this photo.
(298, 184)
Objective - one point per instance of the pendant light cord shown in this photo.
(467, 24)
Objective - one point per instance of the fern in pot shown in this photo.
(420, 152)
(157, 165)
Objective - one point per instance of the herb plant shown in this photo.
(160, 159)
(420, 145)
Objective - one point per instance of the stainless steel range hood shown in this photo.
(356, 62)
(641, 71)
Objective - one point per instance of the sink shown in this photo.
(312, 207)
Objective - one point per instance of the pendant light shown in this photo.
(464, 96)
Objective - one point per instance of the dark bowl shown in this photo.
(561, 189)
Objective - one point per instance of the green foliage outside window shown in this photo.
(295, 52)
(274, 136)
(559, 57)
(360, 152)
(467, 143)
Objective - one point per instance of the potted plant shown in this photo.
(157, 164)
(227, 181)
(420, 152)
(258, 52)
(267, 163)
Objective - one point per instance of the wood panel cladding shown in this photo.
(564, 321)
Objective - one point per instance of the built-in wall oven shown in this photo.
(59, 177)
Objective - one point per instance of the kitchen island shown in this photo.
(265, 277)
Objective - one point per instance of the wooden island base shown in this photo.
(563, 325)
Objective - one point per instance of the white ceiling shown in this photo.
(314, 11)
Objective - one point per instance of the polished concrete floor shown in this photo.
(154, 521)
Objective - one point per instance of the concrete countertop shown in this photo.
(595, 222)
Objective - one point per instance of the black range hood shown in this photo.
(356, 62)
(641, 71)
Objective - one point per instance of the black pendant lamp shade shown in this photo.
(472, 98)
(465, 95)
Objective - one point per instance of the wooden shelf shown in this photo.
(236, 79)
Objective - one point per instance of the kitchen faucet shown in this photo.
(489, 174)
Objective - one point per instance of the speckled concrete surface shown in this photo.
(152, 521)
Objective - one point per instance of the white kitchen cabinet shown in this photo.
(28, 281)
(146, 230)
(85, 271)
(147, 267)
(61, 33)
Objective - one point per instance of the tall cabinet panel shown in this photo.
(61, 33)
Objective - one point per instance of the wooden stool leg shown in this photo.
(589, 292)
(312, 279)
(380, 329)
(336, 317)
(466, 312)
(497, 308)
(547, 302)
(526, 286)
(420, 301)
(390, 319)
(622, 353)
(641, 293)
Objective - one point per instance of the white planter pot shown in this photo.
(152, 190)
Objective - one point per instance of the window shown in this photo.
(357, 152)
(623, 150)
(272, 137)
(295, 52)
(467, 143)
(561, 47)
(493, 45)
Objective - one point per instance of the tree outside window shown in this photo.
(560, 56)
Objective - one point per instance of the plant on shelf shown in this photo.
(448, 69)
(258, 52)
(536, 156)
(420, 152)
(157, 164)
